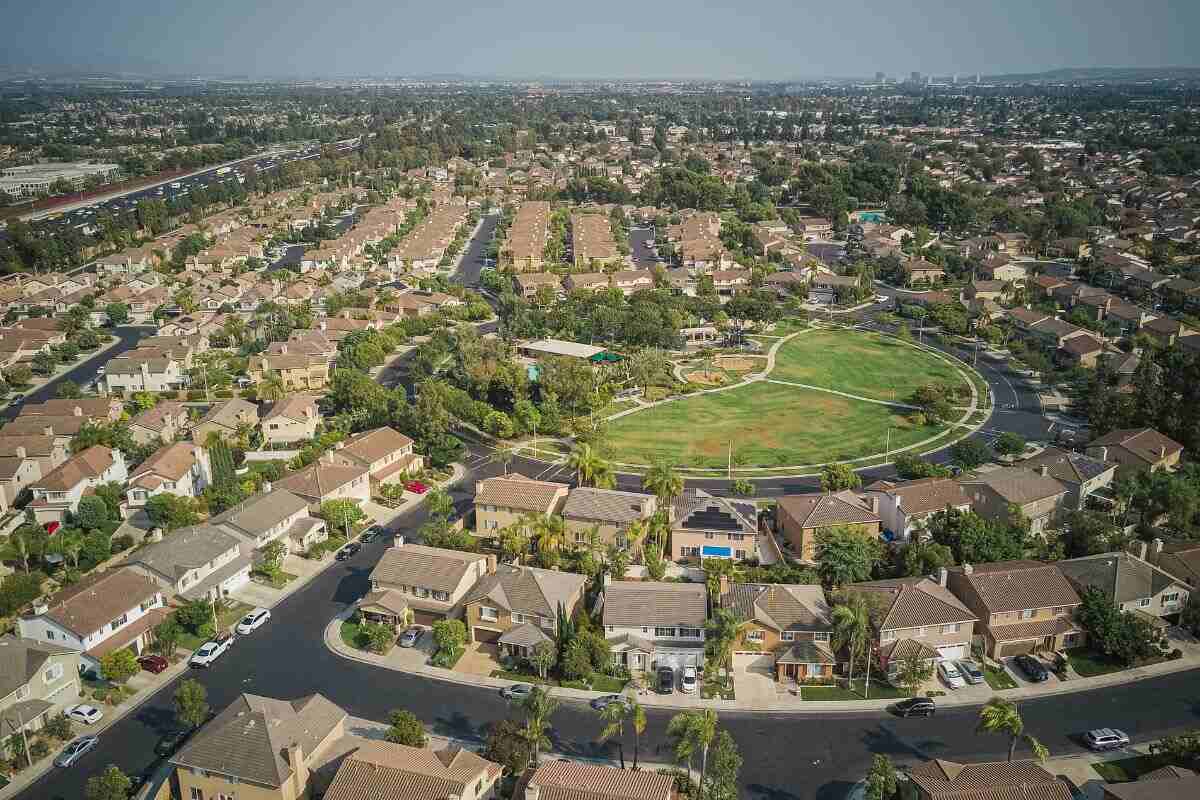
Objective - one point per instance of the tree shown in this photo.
(543, 657)
(613, 716)
(191, 703)
(167, 635)
(589, 467)
(507, 746)
(379, 637)
(538, 707)
(271, 558)
(1000, 715)
(881, 779)
(617, 560)
(112, 784)
(692, 733)
(341, 514)
(970, 454)
(637, 721)
(836, 477)
(171, 511)
(913, 671)
(68, 390)
(43, 363)
(118, 313)
(449, 635)
(1123, 635)
(719, 637)
(852, 628)
(119, 665)
(663, 482)
(846, 554)
(406, 729)
(92, 512)
(1183, 749)
(721, 779)
(271, 388)
(195, 616)
(1010, 444)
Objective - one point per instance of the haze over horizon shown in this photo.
(670, 39)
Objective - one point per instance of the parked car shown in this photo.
(349, 551)
(75, 750)
(88, 715)
(411, 636)
(1106, 739)
(950, 675)
(666, 680)
(416, 487)
(688, 683)
(170, 741)
(154, 664)
(970, 672)
(915, 707)
(371, 534)
(209, 652)
(1034, 669)
(609, 699)
(518, 691)
(252, 621)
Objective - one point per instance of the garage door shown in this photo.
(953, 652)
(1017, 648)
(426, 618)
(486, 636)
(677, 658)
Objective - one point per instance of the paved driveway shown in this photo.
(753, 680)
(479, 659)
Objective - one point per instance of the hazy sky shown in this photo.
(769, 39)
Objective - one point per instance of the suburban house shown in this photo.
(1040, 498)
(102, 409)
(905, 506)
(576, 780)
(260, 748)
(1132, 583)
(374, 769)
(163, 423)
(324, 479)
(47, 450)
(105, 611)
(1081, 474)
(201, 562)
(292, 419)
(800, 517)
(607, 511)
(415, 584)
(385, 452)
(651, 624)
(785, 629)
(18, 469)
(1023, 606)
(1136, 450)
(1024, 778)
(181, 468)
(916, 618)
(1180, 558)
(273, 514)
(143, 373)
(1165, 783)
(705, 526)
(501, 501)
(517, 607)
(224, 419)
(297, 370)
(60, 491)
(37, 681)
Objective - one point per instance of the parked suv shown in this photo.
(666, 680)
(915, 707)
(1105, 739)
(1034, 670)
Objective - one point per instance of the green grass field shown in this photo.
(859, 363)
(770, 426)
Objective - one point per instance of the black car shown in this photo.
(915, 707)
(348, 551)
(666, 680)
(1034, 670)
(170, 741)
(371, 534)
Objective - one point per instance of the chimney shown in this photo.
(283, 348)
(968, 569)
(398, 540)
(1102, 453)
(295, 757)
(491, 563)
(943, 574)
(873, 503)
(1142, 551)
(1157, 544)
(40, 606)
(1162, 451)
(1044, 470)
(20, 452)
(532, 791)
(267, 487)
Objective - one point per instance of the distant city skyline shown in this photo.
(671, 39)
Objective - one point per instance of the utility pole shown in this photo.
(887, 448)
(729, 461)
(867, 686)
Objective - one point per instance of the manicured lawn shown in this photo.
(1128, 769)
(722, 687)
(281, 580)
(997, 677)
(879, 691)
(1088, 662)
(770, 425)
(599, 683)
(353, 636)
(864, 364)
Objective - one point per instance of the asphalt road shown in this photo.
(473, 259)
(639, 247)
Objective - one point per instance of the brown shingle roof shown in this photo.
(1018, 585)
(430, 567)
(780, 606)
(913, 603)
(91, 463)
(638, 603)
(172, 461)
(320, 479)
(99, 599)
(528, 590)
(1145, 443)
(370, 446)
(831, 508)
(924, 495)
(1019, 486)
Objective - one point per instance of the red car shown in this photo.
(52, 527)
(416, 487)
(155, 664)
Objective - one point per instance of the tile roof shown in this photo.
(806, 652)
(1158, 789)
(830, 508)
(1065, 465)
(1121, 576)
(608, 505)
(1018, 485)
(517, 491)
(91, 463)
(528, 590)
(573, 780)
(434, 568)
(85, 607)
(1017, 585)
(1000, 780)
(377, 770)
(638, 603)
(925, 495)
(696, 509)
(389, 600)
(298, 407)
(779, 606)
(250, 738)
(1145, 443)
(172, 461)
(320, 478)
(912, 603)
(527, 634)
(371, 446)
(229, 413)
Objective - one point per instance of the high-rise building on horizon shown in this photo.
(914, 77)
(880, 77)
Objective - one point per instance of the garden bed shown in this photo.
(597, 683)
(278, 581)
(997, 677)
(1128, 769)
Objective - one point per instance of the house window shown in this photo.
(887, 636)
(919, 633)
(689, 633)
(1170, 599)
(740, 555)
(420, 591)
(54, 673)
(950, 628)
(754, 636)
(1145, 601)
(547, 622)
(487, 614)
(119, 621)
(441, 596)
(1027, 613)
(820, 636)
(1060, 610)
(22, 692)
(49, 636)
(788, 636)
(664, 633)
(518, 619)
(197, 793)
(149, 604)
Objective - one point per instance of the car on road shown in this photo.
(411, 636)
(170, 741)
(948, 672)
(970, 672)
(1034, 669)
(349, 551)
(371, 534)
(88, 715)
(1106, 739)
(75, 750)
(209, 652)
(518, 691)
(609, 699)
(252, 621)
(153, 664)
(688, 683)
(915, 707)
(666, 680)
(882, 298)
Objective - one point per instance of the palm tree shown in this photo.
(663, 482)
(852, 628)
(637, 719)
(550, 532)
(20, 547)
(693, 732)
(539, 706)
(590, 467)
(514, 538)
(1001, 716)
(613, 715)
(235, 328)
(243, 432)
(719, 637)
(617, 558)
(71, 547)
(271, 387)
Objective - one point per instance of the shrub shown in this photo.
(1176, 654)
(58, 726)
(39, 749)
